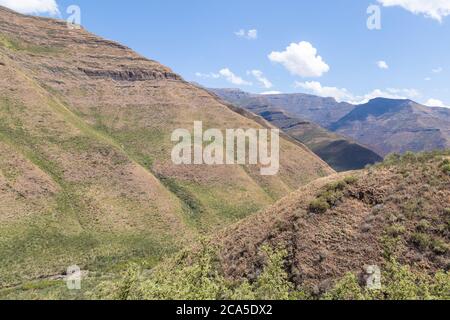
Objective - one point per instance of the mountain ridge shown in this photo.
(383, 125)
(341, 153)
(389, 125)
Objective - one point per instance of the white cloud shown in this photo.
(271, 92)
(301, 59)
(226, 74)
(427, 79)
(390, 93)
(31, 6)
(382, 65)
(436, 103)
(207, 75)
(438, 70)
(232, 78)
(342, 94)
(435, 9)
(261, 78)
(250, 34)
(317, 89)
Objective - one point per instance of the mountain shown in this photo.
(342, 223)
(382, 125)
(382, 233)
(86, 175)
(387, 126)
(341, 153)
(323, 111)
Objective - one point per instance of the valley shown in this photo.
(107, 168)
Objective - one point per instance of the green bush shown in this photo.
(350, 180)
(319, 206)
(273, 283)
(197, 277)
(445, 166)
(446, 169)
(396, 230)
(398, 283)
(347, 288)
(423, 225)
(439, 246)
(447, 212)
(421, 240)
(330, 195)
(440, 286)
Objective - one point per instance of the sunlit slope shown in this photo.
(85, 170)
(69, 193)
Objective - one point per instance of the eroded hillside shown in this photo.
(86, 176)
(343, 223)
(324, 241)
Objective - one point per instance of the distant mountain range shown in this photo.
(323, 111)
(340, 152)
(382, 125)
(388, 125)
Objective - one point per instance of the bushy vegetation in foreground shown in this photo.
(199, 278)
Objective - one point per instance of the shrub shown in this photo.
(423, 225)
(409, 156)
(400, 283)
(445, 166)
(447, 212)
(347, 288)
(445, 162)
(421, 240)
(319, 206)
(197, 277)
(330, 195)
(440, 286)
(446, 169)
(127, 288)
(273, 283)
(350, 180)
(193, 277)
(439, 246)
(392, 159)
(396, 230)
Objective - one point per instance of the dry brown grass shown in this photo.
(406, 203)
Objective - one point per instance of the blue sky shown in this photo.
(244, 43)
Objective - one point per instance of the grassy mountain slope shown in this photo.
(341, 153)
(342, 223)
(85, 173)
(319, 242)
